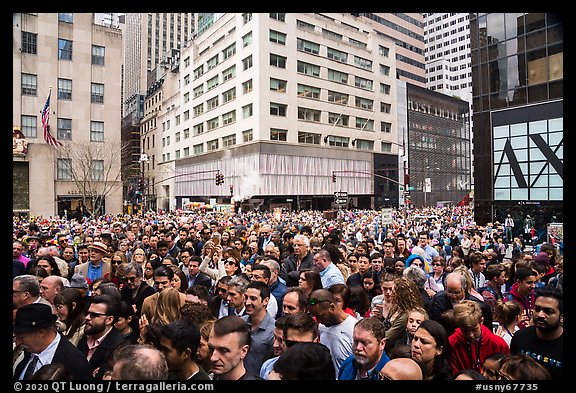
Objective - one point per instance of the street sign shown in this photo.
(387, 216)
(341, 201)
(410, 188)
(341, 194)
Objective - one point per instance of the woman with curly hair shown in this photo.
(405, 298)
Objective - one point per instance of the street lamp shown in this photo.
(143, 159)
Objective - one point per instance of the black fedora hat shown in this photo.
(33, 317)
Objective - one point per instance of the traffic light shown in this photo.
(231, 190)
(219, 179)
(333, 177)
(140, 184)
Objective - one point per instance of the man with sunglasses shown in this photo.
(336, 326)
(135, 289)
(100, 337)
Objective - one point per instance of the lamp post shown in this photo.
(143, 159)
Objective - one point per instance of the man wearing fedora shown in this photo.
(35, 330)
(96, 267)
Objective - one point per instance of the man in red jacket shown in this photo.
(472, 342)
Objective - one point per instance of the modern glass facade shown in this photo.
(438, 148)
(517, 74)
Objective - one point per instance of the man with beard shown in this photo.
(368, 357)
(336, 326)
(544, 341)
(100, 336)
(229, 342)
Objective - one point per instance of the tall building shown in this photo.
(406, 30)
(151, 39)
(152, 42)
(277, 103)
(448, 59)
(448, 56)
(293, 108)
(77, 63)
(518, 89)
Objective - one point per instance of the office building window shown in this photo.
(29, 42)
(64, 49)
(277, 134)
(97, 93)
(64, 129)
(29, 84)
(64, 89)
(98, 55)
(64, 169)
(96, 131)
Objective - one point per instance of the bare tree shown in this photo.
(95, 169)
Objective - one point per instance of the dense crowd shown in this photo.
(209, 295)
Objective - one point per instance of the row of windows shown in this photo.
(30, 46)
(29, 87)
(278, 134)
(29, 126)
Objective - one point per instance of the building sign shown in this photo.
(528, 160)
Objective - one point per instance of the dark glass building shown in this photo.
(518, 122)
(438, 148)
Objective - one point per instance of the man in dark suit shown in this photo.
(302, 259)
(264, 238)
(195, 276)
(35, 330)
(135, 289)
(101, 338)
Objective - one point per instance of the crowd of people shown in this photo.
(208, 295)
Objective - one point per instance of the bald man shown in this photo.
(404, 369)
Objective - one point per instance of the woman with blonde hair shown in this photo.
(167, 307)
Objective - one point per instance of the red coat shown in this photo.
(465, 356)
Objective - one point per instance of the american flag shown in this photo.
(45, 120)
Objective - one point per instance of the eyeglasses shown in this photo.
(131, 279)
(290, 343)
(314, 301)
(93, 314)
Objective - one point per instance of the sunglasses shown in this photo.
(230, 262)
(290, 343)
(314, 301)
(436, 264)
(131, 279)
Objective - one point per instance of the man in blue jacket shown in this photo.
(368, 357)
